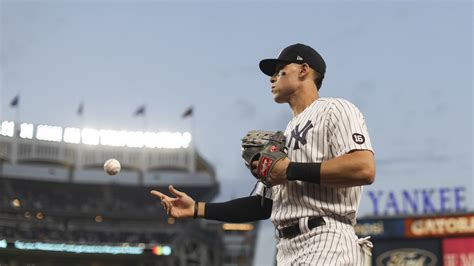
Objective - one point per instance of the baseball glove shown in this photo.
(266, 147)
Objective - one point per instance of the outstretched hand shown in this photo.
(182, 206)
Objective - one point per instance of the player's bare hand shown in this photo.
(277, 174)
(182, 206)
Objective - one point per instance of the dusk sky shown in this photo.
(406, 64)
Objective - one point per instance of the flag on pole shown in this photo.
(188, 112)
(140, 110)
(15, 101)
(80, 109)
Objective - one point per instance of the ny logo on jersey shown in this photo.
(300, 135)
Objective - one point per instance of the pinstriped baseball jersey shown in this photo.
(326, 129)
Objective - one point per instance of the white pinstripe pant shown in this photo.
(332, 244)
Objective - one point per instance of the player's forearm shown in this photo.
(351, 169)
(240, 210)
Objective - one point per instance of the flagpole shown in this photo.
(144, 149)
(16, 127)
(16, 135)
(191, 149)
(17, 114)
(187, 113)
(1, 103)
(80, 112)
(17, 121)
(144, 123)
(141, 111)
(193, 129)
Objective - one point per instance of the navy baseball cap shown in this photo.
(296, 53)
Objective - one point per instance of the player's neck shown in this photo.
(302, 99)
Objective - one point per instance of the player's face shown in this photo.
(284, 82)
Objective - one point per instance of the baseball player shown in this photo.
(313, 190)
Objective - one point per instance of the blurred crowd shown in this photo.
(82, 213)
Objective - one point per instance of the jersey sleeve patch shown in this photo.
(358, 138)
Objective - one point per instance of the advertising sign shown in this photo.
(424, 252)
(440, 226)
(458, 251)
(378, 228)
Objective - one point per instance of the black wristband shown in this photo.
(196, 209)
(309, 172)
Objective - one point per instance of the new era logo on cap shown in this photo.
(299, 58)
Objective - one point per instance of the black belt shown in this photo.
(294, 230)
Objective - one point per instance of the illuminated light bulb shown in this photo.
(16, 203)
(166, 250)
(156, 250)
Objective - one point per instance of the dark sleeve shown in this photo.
(240, 210)
(308, 172)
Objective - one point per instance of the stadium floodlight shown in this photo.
(149, 139)
(26, 131)
(105, 137)
(175, 140)
(3, 243)
(49, 133)
(166, 250)
(112, 138)
(159, 140)
(169, 140)
(72, 135)
(7, 128)
(135, 139)
(186, 139)
(90, 136)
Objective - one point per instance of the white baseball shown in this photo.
(112, 166)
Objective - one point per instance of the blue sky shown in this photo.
(406, 64)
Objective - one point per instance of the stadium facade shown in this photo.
(58, 206)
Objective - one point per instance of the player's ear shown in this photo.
(304, 70)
